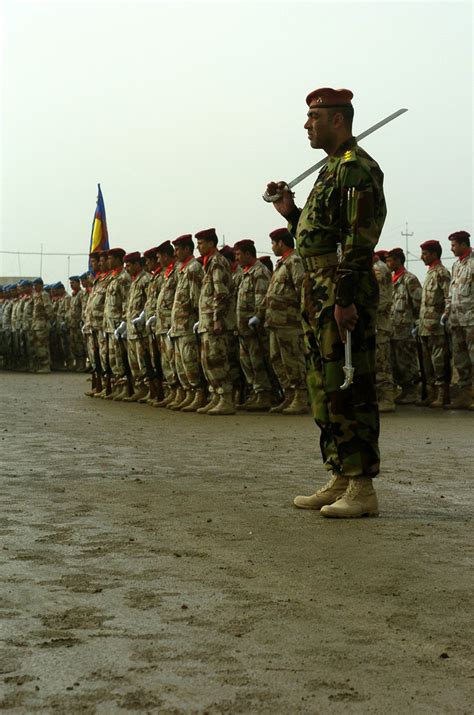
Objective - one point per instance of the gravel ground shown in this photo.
(152, 562)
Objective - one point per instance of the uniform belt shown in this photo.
(312, 263)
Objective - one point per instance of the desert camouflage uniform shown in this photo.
(26, 330)
(184, 314)
(383, 362)
(253, 288)
(153, 290)
(164, 306)
(135, 305)
(7, 333)
(16, 333)
(236, 373)
(95, 313)
(282, 308)
(115, 304)
(346, 206)
(215, 304)
(62, 315)
(404, 316)
(460, 309)
(433, 341)
(86, 325)
(43, 314)
(76, 338)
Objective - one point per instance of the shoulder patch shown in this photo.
(349, 156)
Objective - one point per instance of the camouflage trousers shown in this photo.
(167, 350)
(287, 357)
(41, 347)
(383, 366)
(253, 362)
(215, 361)
(463, 353)
(405, 368)
(76, 342)
(115, 356)
(136, 359)
(234, 359)
(187, 360)
(348, 419)
(434, 354)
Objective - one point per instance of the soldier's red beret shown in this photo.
(459, 236)
(267, 261)
(94, 254)
(150, 252)
(119, 252)
(430, 245)
(279, 234)
(327, 97)
(381, 252)
(208, 234)
(184, 239)
(228, 252)
(396, 253)
(244, 245)
(165, 246)
(132, 257)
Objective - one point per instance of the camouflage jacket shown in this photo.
(185, 312)
(153, 291)
(384, 308)
(7, 315)
(433, 297)
(116, 297)
(460, 301)
(136, 302)
(346, 206)
(405, 306)
(43, 311)
(164, 303)
(16, 314)
(282, 303)
(75, 309)
(216, 297)
(63, 307)
(96, 302)
(27, 313)
(253, 288)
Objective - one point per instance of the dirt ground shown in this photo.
(152, 562)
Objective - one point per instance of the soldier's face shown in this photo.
(132, 268)
(278, 248)
(319, 127)
(393, 263)
(94, 265)
(428, 257)
(458, 248)
(38, 287)
(181, 253)
(204, 247)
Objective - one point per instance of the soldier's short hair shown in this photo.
(397, 253)
(347, 111)
(461, 237)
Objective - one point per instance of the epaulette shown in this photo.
(348, 156)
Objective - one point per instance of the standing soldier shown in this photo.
(7, 327)
(41, 319)
(216, 323)
(164, 305)
(134, 328)
(346, 206)
(26, 324)
(86, 283)
(253, 340)
(76, 338)
(239, 382)
(16, 327)
(95, 314)
(430, 330)
(459, 313)
(63, 311)
(184, 315)
(383, 362)
(115, 304)
(283, 321)
(155, 271)
(404, 316)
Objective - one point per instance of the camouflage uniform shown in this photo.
(153, 290)
(251, 294)
(16, 333)
(383, 363)
(346, 206)
(215, 304)
(62, 315)
(404, 315)
(76, 338)
(433, 341)
(282, 307)
(135, 305)
(460, 309)
(164, 306)
(116, 297)
(7, 333)
(26, 332)
(43, 314)
(95, 312)
(184, 314)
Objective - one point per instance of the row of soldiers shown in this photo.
(204, 334)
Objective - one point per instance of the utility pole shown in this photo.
(406, 234)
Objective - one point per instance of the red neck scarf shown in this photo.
(207, 258)
(466, 254)
(436, 262)
(398, 273)
(247, 268)
(168, 269)
(185, 263)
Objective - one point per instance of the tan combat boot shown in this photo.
(462, 402)
(359, 499)
(101, 394)
(213, 402)
(225, 406)
(386, 404)
(112, 393)
(328, 494)
(147, 397)
(188, 400)
(140, 391)
(430, 396)
(179, 398)
(199, 400)
(169, 397)
(408, 396)
(299, 404)
(438, 399)
(261, 403)
(121, 391)
(289, 394)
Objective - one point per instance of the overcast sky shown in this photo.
(184, 111)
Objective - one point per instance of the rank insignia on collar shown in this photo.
(348, 155)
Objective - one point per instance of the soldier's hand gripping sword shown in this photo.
(348, 369)
(288, 187)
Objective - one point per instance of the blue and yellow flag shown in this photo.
(99, 233)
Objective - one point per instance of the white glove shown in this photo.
(83, 329)
(443, 319)
(414, 331)
(140, 321)
(122, 329)
(168, 334)
(196, 327)
(151, 321)
(254, 322)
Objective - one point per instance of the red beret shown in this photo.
(119, 252)
(327, 97)
(94, 254)
(430, 245)
(279, 234)
(459, 236)
(381, 252)
(186, 238)
(150, 252)
(396, 252)
(267, 261)
(165, 246)
(209, 234)
(228, 252)
(132, 257)
(244, 245)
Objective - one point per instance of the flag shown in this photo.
(99, 234)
